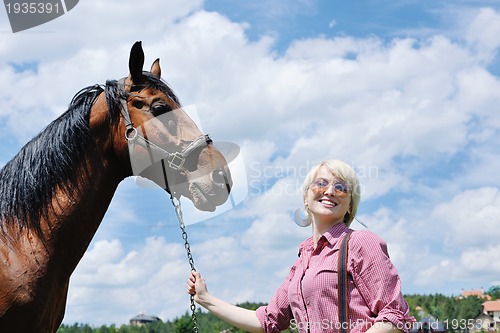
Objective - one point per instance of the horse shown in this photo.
(55, 191)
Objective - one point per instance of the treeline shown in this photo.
(207, 323)
(447, 309)
(443, 307)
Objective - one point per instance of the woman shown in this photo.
(308, 298)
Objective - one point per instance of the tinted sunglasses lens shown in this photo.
(319, 184)
(341, 189)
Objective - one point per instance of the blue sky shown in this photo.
(304, 19)
(405, 92)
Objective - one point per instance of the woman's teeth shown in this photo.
(328, 203)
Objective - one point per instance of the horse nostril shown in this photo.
(219, 177)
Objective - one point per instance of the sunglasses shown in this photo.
(321, 185)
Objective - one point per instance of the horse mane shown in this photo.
(28, 181)
(56, 157)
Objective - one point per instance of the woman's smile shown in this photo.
(328, 203)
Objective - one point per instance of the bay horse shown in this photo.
(55, 191)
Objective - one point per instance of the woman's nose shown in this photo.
(330, 189)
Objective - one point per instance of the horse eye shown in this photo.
(160, 109)
(138, 104)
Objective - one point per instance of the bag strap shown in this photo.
(342, 287)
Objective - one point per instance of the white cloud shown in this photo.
(93, 23)
(468, 268)
(482, 260)
(103, 252)
(467, 224)
(470, 218)
(437, 273)
(482, 33)
(272, 233)
(221, 253)
(111, 286)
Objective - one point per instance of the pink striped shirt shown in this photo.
(307, 299)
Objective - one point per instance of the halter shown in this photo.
(174, 160)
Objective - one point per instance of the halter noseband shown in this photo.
(175, 160)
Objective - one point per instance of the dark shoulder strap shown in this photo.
(342, 284)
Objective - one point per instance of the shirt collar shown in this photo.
(331, 236)
(334, 233)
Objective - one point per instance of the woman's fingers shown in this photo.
(195, 280)
(190, 283)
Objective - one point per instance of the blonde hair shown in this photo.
(341, 171)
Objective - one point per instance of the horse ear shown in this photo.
(155, 68)
(136, 62)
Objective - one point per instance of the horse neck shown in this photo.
(76, 218)
(81, 216)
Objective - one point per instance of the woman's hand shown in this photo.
(242, 318)
(197, 287)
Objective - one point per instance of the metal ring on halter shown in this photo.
(176, 161)
(132, 130)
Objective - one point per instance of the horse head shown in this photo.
(164, 144)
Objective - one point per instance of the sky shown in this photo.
(405, 92)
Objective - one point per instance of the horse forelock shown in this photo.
(159, 84)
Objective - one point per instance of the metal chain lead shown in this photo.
(177, 205)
